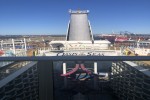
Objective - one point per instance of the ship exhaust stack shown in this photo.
(79, 28)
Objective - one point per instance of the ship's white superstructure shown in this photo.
(79, 38)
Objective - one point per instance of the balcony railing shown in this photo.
(45, 67)
(78, 58)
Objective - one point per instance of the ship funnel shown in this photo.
(79, 28)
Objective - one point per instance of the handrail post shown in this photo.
(45, 72)
(95, 67)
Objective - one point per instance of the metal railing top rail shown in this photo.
(77, 58)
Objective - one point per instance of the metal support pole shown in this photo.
(95, 78)
(95, 67)
(64, 68)
(64, 72)
(45, 72)
(14, 49)
(25, 47)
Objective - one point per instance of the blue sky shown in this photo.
(51, 16)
